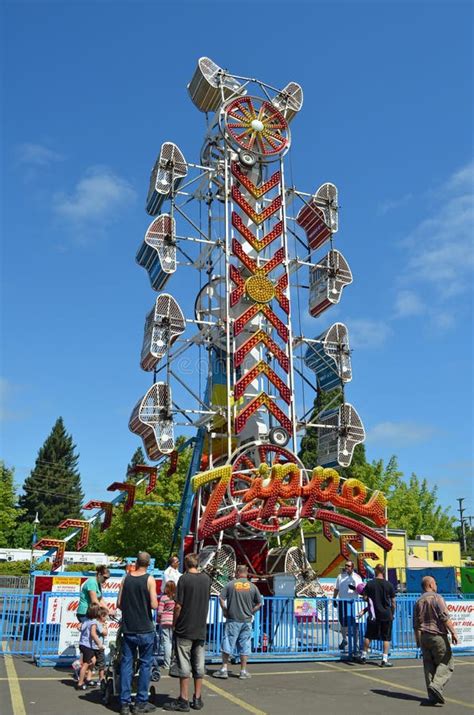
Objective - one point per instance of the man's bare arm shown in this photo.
(176, 612)
(451, 629)
(119, 597)
(152, 591)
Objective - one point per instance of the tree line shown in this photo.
(53, 490)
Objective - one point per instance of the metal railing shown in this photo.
(279, 633)
(13, 582)
(21, 616)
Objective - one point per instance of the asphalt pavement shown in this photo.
(274, 689)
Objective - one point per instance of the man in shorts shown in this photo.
(381, 593)
(345, 590)
(189, 623)
(239, 600)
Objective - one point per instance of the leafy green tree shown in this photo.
(53, 488)
(23, 535)
(413, 506)
(10, 514)
(149, 526)
(95, 538)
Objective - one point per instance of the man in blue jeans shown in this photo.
(137, 597)
(239, 600)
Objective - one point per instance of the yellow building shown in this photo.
(327, 559)
(441, 553)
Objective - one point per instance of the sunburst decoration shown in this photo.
(257, 126)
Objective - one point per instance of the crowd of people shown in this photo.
(182, 612)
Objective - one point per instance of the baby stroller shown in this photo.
(111, 685)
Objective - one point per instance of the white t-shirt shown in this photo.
(344, 580)
(170, 574)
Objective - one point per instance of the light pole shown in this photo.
(33, 542)
(461, 519)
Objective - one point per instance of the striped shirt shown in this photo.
(165, 611)
(430, 614)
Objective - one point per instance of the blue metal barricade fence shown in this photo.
(284, 629)
(20, 619)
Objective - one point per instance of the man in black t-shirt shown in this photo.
(381, 596)
(189, 623)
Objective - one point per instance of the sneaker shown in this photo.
(343, 644)
(244, 675)
(91, 683)
(435, 695)
(197, 703)
(181, 706)
(222, 673)
(125, 709)
(81, 687)
(144, 708)
(76, 666)
(386, 664)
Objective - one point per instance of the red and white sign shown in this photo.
(70, 627)
(462, 615)
(53, 613)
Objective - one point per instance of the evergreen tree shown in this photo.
(53, 488)
(137, 458)
(309, 444)
(9, 512)
(149, 527)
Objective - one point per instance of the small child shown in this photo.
(90, 643)
(99, 631)
(165, 619)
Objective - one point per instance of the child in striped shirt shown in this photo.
(165, 619)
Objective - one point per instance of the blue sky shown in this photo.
(90, 92)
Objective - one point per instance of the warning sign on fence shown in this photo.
(462, 615)
(62, 610)
(66, 584)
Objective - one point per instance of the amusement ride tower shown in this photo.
(252, 254)
(263, 244)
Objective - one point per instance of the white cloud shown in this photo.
(366, 333)
(408, 303)
(440, 254)
(442, 320)
(400, 434)
(464, 177)
(35, 155)
(97, 196)
(440, 248)
(390, 204)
